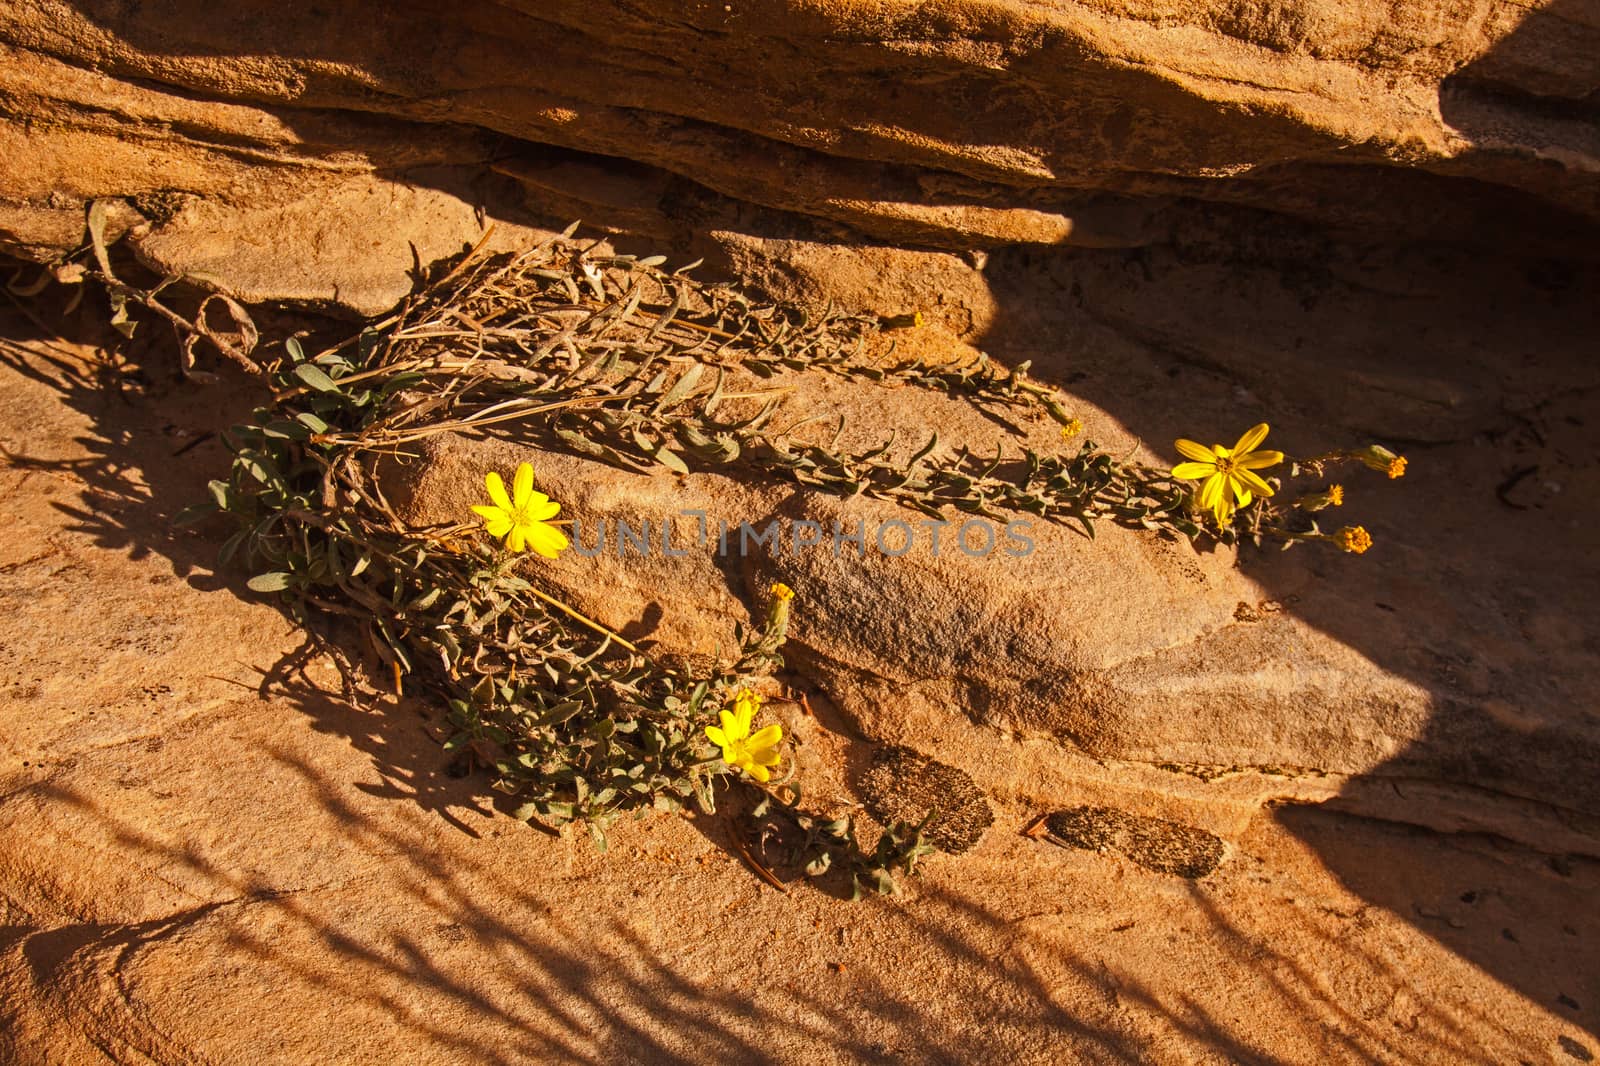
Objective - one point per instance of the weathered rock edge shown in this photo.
(263, 149)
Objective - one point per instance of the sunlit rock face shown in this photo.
(295, 153)
(1354, 220)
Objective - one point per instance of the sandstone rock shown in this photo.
(1125, 647)
(213, 848)
(951, 126)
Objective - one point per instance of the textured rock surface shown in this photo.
(1349, 219)
(902, 786)
(1298, 672)
(209, 853)
(1154, 843)
(957, 126)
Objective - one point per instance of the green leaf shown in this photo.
(230, 547)
(682, 387)
(426, 600)
(194, 513)
(284, 430)
(671, 460)
(314, 378)
(402, 381)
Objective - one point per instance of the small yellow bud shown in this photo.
(1071, 429)
(778, 614)
(1381, 459)
(1353, 539)
(1332, 496)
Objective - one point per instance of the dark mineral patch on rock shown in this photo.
(1154, 843)
(903, 786)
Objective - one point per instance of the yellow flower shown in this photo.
(522, 517)
(1230, 473)
(1353, 539)
(752, 754)
(781, 591)
(1071, 429)
(1381, 459)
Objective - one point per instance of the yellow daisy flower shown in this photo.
(522, 517)
(781, 591)
(1230, 478)
(752, 754)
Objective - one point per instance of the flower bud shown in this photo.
(1353, 539)
(1332, 496)
(778, 613)
(914, 320)
(1381, 459)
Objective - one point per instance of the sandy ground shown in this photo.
(211, 852)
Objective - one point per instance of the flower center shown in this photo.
(1224, 464)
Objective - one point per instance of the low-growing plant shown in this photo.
(614, 358)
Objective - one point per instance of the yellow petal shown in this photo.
(766, 756)
(1194, 471)
(1190, 450)
(767, 737)
(517, 539)
(1252, 436)
(497, 490)
(1253, 482)
(716, 736)
(1211, 491)
(522, 485)
(548, 541)
(760, 773)
(543, 508)
(1257, 460)
(495, 520)
(730, 727)
(1241, 492)
(1224, 509)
